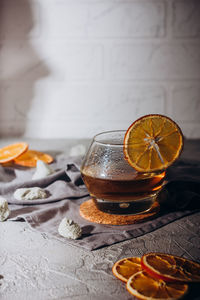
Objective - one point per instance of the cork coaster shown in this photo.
(90, 212)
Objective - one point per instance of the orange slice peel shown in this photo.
(143, 286)
(171, 268)
(126, 267)
(30, 158)
(12, 151)
(157, 276)
(152, 143)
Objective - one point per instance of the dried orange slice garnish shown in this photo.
(143, 286)
(152, 143)
(126, 267)
(30, 158)
(12, 151)
(170, 267)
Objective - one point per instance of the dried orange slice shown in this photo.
(126, 267)
(152, 143)
(12, 151)
(30, 158)
(143, 286)
(170, 267)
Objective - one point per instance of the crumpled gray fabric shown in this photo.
(58, 185)
(67, 192)
(183, 187)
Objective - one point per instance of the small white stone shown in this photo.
(4, 210)
(42, 170)
(69, 229)
(30, 193)
(77, 150)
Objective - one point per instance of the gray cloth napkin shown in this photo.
(58, 185)
(66, 192)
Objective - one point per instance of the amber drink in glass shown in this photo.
(114, 185)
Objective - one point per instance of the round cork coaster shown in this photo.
(90, 212)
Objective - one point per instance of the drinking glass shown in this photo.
(115, 186)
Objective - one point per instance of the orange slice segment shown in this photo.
(152, 143)
(126, 267)
(170, 267)
(12, 151)
(30, 158)
(143, 286)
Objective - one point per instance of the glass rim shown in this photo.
(109, 143)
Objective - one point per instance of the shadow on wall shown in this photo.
(21, 66)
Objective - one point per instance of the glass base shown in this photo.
(126, 207)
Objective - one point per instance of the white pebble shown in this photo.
(30, 193)
(69, 229)
(42, 170)
(4, 210)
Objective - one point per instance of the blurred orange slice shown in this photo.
(143, 286)
(30, 158)
(12, 151)
(126, 267)
(152, 143)
(171, 268)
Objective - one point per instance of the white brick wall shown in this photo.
(72, 68)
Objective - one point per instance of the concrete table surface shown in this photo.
(36, 267)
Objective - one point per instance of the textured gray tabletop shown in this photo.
(33, 266)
